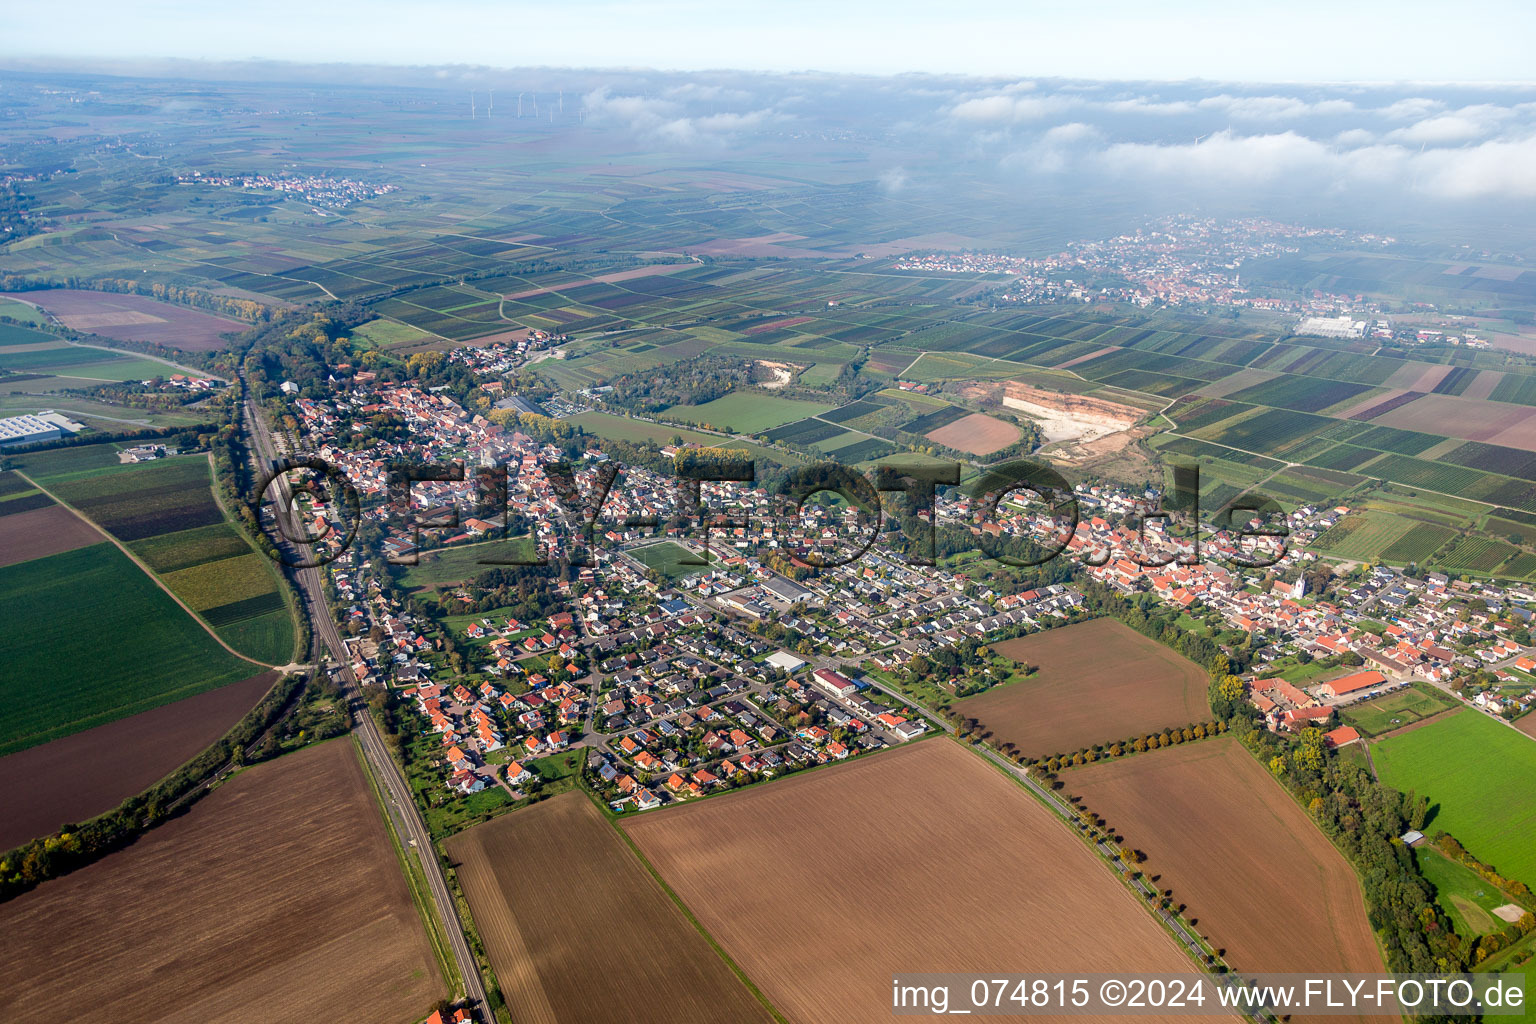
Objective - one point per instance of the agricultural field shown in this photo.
(17, 310)
(621, 428)
(1256, 876)
(146, 499)
(1480, 777)
(81, 776)
(276, 897)
(539, 938)
(111, 642)
(976, 433)
(1096, 682)
(1396, 710)
(1364, 535)
(671, 561)
(739, 862)
(32, 528)
(135, 318)
(747, 412)
(166, 513)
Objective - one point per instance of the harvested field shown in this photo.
(1259, 879)
(277, 897)
(1097, 681)
(540, 938)
(1447, 415)
(43, 531)
(824, 884)
(83, 775)
(976, 433)
(135, 318)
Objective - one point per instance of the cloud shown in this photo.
(1008, 109)
(668, 120)
(893, 180)
(1274, 108)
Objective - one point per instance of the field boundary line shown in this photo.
(435, 932)
(678, 902)
(145, 570)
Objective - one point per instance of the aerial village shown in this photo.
(673, 685)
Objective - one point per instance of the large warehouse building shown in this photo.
(43, 426)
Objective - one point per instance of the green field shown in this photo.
(670, 561)
(1461, 893)
(461, 562)
(1395, 710)
(91, 639)
(747, 412)
(387, 334)
(622, 428)
(1480, 777)
(21, 311)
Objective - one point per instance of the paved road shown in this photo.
(397, 793)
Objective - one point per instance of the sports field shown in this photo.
(823, 885)
(1395, 710)
(543, 939)
(1258, 878)
(1460, 892)
(109, 642)
(1480, 777)
(669, 560)
(278, 897)
(1096, 682)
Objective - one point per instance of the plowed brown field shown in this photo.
(578, 930)
(1097, 681)
(275, 898)
(925, 858)
(977, 434)
(43, 531)
(1258, 877)
(80, 776)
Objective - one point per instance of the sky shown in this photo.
(1295, 41)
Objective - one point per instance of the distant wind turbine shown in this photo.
(471, 104)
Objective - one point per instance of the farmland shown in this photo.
(1096, 681)
(48, 529)
(277, 897)
(540, 937)
(165, 511)
(1258, 878)
(80, 776)
(135, 318)
(112, 642)
(975, 433)
(746, 412)
(143, 500)
(1480, 777)
(739, 862)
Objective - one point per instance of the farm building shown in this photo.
(1351, 683)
